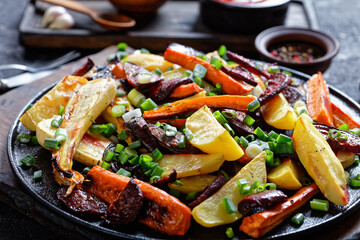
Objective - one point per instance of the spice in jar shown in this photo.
(296, 52)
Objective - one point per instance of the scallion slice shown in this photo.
(61, 110)
(109, 156)
(219, 117)
(229, 129)
(123, 135)
(51, 143)
(97, 129)
(157, 71)
(182, 142)
(249, 120)
(355, 181)
(215, 62)
(344, 127)
(244, 142)
(157, 154)
(319, 204)
(269, 158)
(135, 144)
(135, 97)
(229, 205)
(144, 50)
(188, 134)
(34, 140)
(28, 160)
(122, 46)
(229, 114)
(170, 131)
(119, 148)
(179, 183)
(123, 172)
(199, 82)
(133, 160)
(154, 178)
(250, 138)
(38, 175)
(261, 134)
(199, 71)
(56, 122)
(109, 131)
(190, 196)
(222, 51)
(148, 105)
(105, 165)
(273, 135)
(283, 138)
(252, 106)
(298, 219)
(333, 133)
(23, 138)
(274, 69)
(120, 93)
(229, 232)
(118, 111)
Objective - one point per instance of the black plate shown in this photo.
(45, 191)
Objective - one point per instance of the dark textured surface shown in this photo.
(339, 18)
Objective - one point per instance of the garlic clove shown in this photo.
(51, 14)
(63, 21)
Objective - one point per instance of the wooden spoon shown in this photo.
(110, 21)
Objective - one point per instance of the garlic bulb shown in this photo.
(63, 21)
(57, 17)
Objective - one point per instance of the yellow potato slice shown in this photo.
(176, 73)
(320, 161)
(211, 212)
(287, 175)
(187, 165)
(210, 136)
(278, 113)
(193, 184)
(149, 61)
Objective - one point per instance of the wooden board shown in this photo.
(176, 21)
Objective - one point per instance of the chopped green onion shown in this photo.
(229, 129)
(179, 183)
(135, 97)
(123, 172)
(260, 188)
(109, 156)
(23, 138)
(249, 120)
(129, 151)
(342, 137)
(241, 183)
(229, 114)
(199, 82)
(298, 219)
(283, 138)
(203, 57)
(34, 140)
(148, 105)
(157, 171)
(229, 232)
(333, 133)
(86, 170)
(170, 131)
(123, 135)
(144, 78)
(28, 160)
(109, 131)
(120, 93)
(188, 73)
(157, 154)
(319, 204)
(215, 62)
(287, 73)
(105, 165)
(255, 104)
(355, 181)
(135, 144)
(255, 185)
(38, 175)
(271, 145)
(244, 142)
(119, 148)
(245, 190)
(118, 111)
(261, 134)
(344, 127)
(199, 71)
(188, 134)
(284, 148)
(61, 110)
(133, 160)
(97, 129)
(250, 138)
(144, 50)
(229, 205)
(269, 158)
(174, 193)
(154, 178)
(51, 143)
(169, 69)
(270, 186)
(122, 46)
(157, 71)
(56, 122)
(218, 85)
(219, 117)
(273, 135)
(182, 142)
(222, 51)
(355, 131)
(357, 159)
(274, 69)
(190, 196)
(231, 63)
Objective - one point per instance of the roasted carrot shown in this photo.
(260, 223)
(340, 118)
(229, 85)
(184, 106)
(118, 71)
(178, 123)
(318, 100)
(163, 212)
(187, 90)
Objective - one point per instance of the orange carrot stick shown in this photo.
(178, 123)
(229, 85)
(186, 90)
(260, 223)
(341, 118)
(118, 71)
(187, 105)
(164, 212)
(318, 100)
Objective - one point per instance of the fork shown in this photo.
(56, 63)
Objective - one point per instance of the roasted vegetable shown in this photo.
(163, 212)
(211, 212)
(340, 118)
(193, 184)
(320, 161)
(185, 90)
(259, 224)
(149, 61)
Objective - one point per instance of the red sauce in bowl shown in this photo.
(253, 3)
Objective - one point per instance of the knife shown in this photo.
(24, 78)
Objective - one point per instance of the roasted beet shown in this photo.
(160, 91)
(238, 124)
(247, 63)
(163, 182)
(293, 94)
(82, 202)
(352, 144)
(275, 85)
(264, 199)
(240, 73)
(185, 49)
(209, 190)
(126, 207)
(133, 72)
(81, 71)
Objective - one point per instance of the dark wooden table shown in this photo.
(339, 18)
